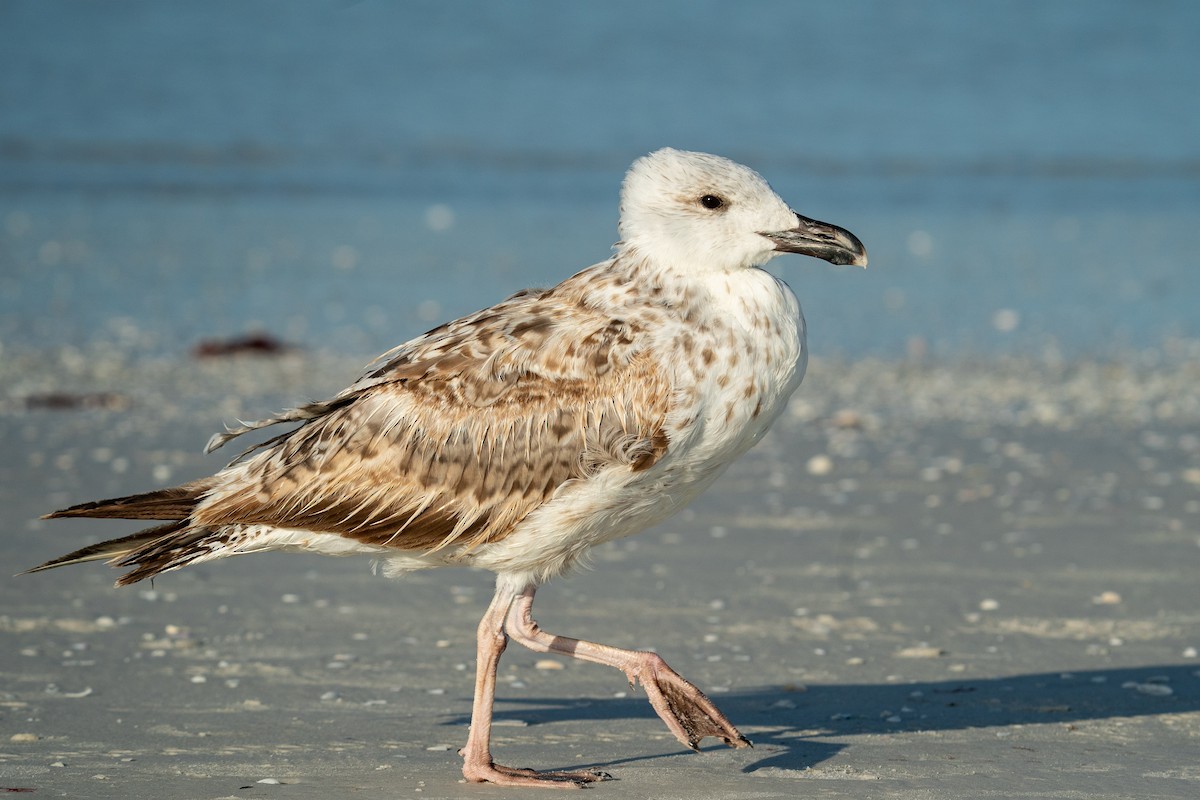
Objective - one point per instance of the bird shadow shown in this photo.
(795, 724)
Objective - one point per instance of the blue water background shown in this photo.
(1026, 175)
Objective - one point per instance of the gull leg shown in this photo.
(688, 713)
(478, 766)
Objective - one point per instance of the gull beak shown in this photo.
(820, 240)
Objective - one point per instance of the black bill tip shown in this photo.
(820, 240)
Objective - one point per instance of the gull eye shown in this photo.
(711, 202)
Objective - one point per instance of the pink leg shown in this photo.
(478, 766)
(688, 713)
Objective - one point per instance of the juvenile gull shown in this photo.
(517, 438)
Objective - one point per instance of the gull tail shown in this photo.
(153, 550)
(176, 503)
(114, 550)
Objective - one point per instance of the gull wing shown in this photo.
(461, 433)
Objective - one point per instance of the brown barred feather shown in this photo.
(113, 548)
(175, 503)
(463, 432)
(451, 442)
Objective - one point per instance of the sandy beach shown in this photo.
(930, 581)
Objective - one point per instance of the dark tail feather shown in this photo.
(177, 548)
(113, 549)
(175, 503)
(153, 550)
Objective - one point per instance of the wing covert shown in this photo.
(462, 433)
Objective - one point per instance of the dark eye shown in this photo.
(711, 201)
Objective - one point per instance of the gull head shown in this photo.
(699, 212)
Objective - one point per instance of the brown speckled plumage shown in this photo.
(453, 440)
(518, 438)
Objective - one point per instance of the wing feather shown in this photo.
(462, 432)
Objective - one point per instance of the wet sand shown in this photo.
(929, 581)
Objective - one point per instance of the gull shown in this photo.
(517, 438)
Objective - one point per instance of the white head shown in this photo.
(695, 211)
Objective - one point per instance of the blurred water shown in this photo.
(347, 174)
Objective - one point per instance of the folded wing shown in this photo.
(461, 433)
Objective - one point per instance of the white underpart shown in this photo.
(714, 255)
(617, 502)
(247, 539)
